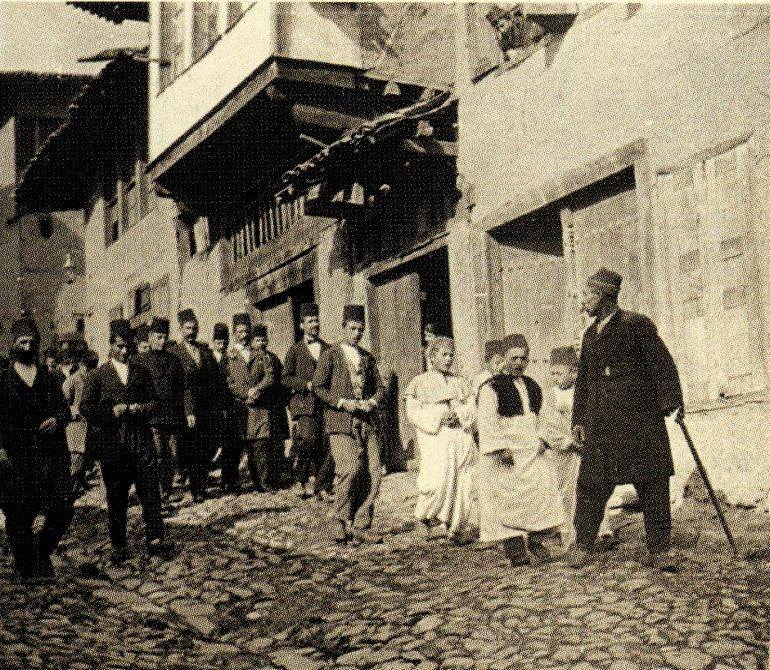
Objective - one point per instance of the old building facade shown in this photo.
(634, 137)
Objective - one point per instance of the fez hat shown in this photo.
(517, 340)
(24, 328)
(354, 313)
(241, 319)
(308, 309)
(141, 332)
(160, 325)
(606, 281)
(221, 332)
(259, 330)
(564, 356)
(120, 328)
(185, 316)
(493, 348)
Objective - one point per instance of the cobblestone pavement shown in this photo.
(258, 584)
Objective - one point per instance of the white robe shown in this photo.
(447, 455)
(521, 498)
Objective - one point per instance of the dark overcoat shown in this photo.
(258, 419)
(298, 369)
(119, 439)
(168, 381)
(332, 383)
(627, 383)
(204, 394)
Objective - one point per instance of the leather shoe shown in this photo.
(118, 555)
(577, 557)
(667, 561)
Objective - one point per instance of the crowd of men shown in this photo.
(160, 416)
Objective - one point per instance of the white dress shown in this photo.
(519, 498)
(447, 455)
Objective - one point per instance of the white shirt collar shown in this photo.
(27, 373)
(122, 370)
(600, 324)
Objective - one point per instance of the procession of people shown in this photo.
(500, 460)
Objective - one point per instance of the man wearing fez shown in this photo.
(349, 384)
(204, 402)
(119, 399)
(298, 369)
(253, 375)
(168, 421)
(34, 459)
(627, 383)
(220, 339)
(142, 338)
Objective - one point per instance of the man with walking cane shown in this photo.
(627, 384)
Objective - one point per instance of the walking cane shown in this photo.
(707, 482)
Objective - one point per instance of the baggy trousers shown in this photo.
(196, 449)
(137, 465)
(654, 499)
(358, 466)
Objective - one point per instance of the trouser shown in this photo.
(358, 466)
(167, 446)
(196, 449)
(654, 499)
(324, 480)
(139, 468)
(259, 458)
(230, 461)
(39, 485)
(307, 440)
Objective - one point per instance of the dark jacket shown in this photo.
(257, 419)
(298, 369)
(331, 383)
(24, 408)
(627, 383)
(168, 381)
(204, 394)
(509, 401)
(104, 390)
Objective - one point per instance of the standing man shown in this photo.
(305, 408)
(220, 339)
(34, 459)
(119, 399)
(204, 402)
(253, 377)
(627, 383)
(168, 420)
(142, 338)
(348, 382)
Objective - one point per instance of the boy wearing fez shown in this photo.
(252, 376)
(298, 369)
(349, 384)
(34, 460)
(167, 422)
(204, 400)
(119, 399)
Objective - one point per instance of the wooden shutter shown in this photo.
(167, 38)
(205, 27)
(483, 51)
(160, 299)
(234, 13)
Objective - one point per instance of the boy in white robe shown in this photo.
(494, 352)
(518, 498)
(437, 405)
(556, 432)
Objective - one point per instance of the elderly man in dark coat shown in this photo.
(348, 382)
(204, 402)
(305, 408)
(253, 376)
(627, 384)
(119, 399)
(34, 460)
(168, 421)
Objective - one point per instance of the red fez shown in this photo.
(185, 316)
(515, 341)
(160, 325)
(220, 332)
(242, 319)
(259, 330)
(141, 333)
(120, 328)
(493, 348)
(308, 309)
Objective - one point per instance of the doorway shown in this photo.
(281, 315)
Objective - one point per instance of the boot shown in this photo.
(539, 554)
(577, 557)
(516, 551)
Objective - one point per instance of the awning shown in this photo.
(117, 12)
(281, 279)
(339, 155)
(61, 174)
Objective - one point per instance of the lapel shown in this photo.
(611, 325)
(112, 373)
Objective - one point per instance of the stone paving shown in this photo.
(257, 583)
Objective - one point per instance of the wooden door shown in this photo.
(397, 342)
(279, 319)
(534, 295)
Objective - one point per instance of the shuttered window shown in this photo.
(205, 27)
(172, 34)
(712, 272)
(234, 13)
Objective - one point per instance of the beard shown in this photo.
(24, 356)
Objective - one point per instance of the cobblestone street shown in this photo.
(257, 584)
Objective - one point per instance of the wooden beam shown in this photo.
(327, 118)
(431, 146)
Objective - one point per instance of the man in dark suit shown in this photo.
(220, 339)
(305, 408)
(168, 421)
(204, 402)
(254, 379)
(348, 382)
(119, 399)
(627, 384)
(34, 459)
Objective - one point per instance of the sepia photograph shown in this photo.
(384, 335)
